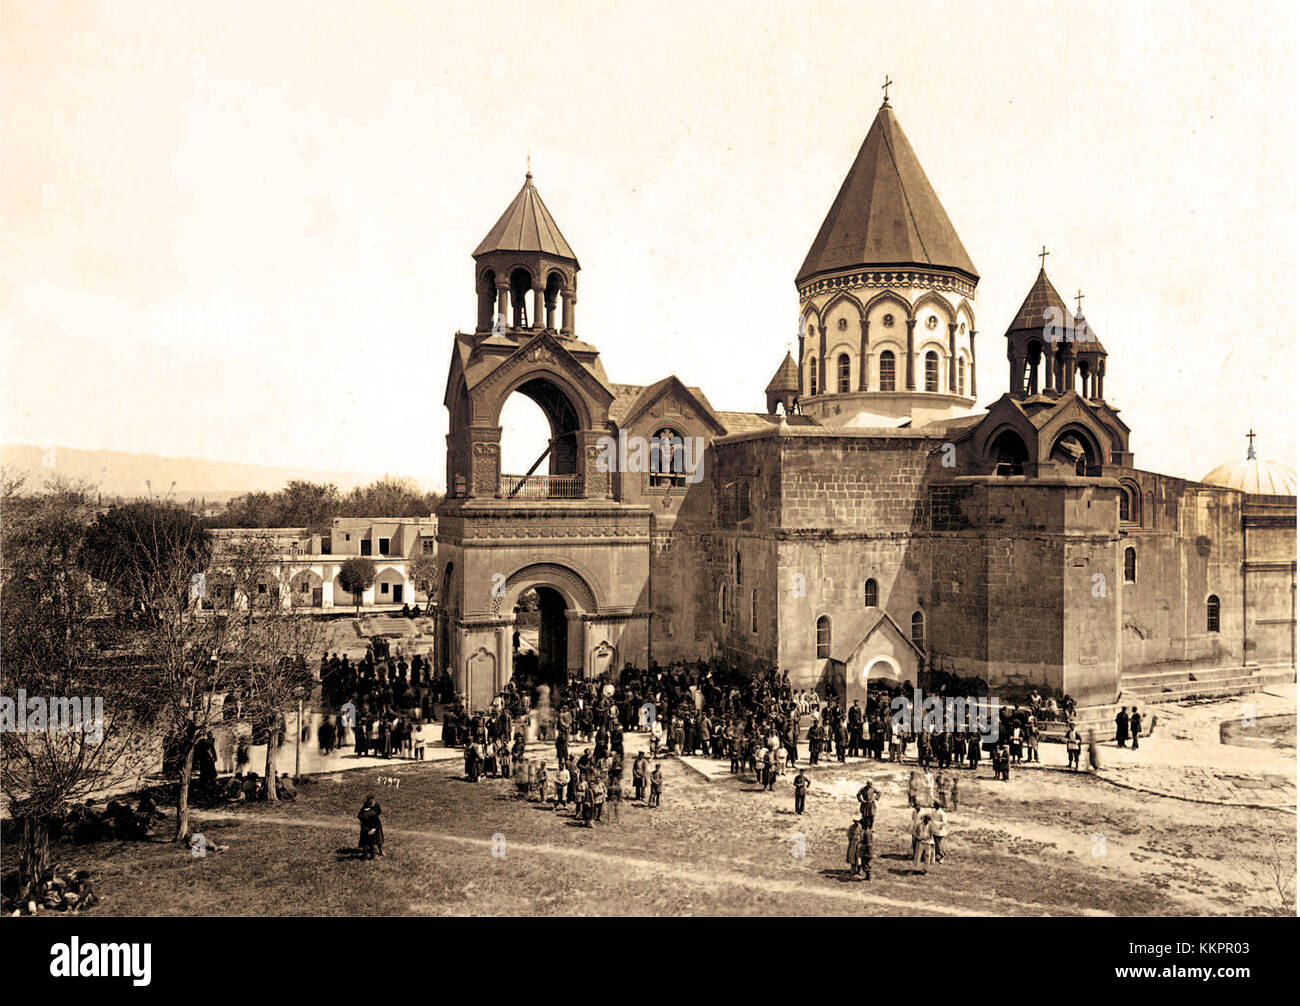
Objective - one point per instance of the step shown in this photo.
(1180, 674)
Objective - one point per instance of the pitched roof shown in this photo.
(1042, 295)
(886, 213)
(527, 226)
(786, 377)
(1085, 338)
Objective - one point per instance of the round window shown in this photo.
(932, 322)
(844, 325)
(888, 321)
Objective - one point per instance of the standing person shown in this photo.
(614, 798)
(1031, 739)
(561, 786)
(800, 791)
(598, 794)
(974, 748)
(419, 741)
(542, 782)
(656, 786)
(1135, 726)
(1121, 727)
(938, 830)
(372, 829)
(921, 838)
(853, 855)
(1073, 745)
(867, 797)
(639, 771)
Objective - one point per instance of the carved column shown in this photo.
(952, 358)
(570, 298)
(484, 461)
(863, 376)
(972, 363)
(539, 307)
(1049, 379)
(503, 302)
(911, 354)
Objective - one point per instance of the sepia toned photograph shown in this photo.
(698, 459)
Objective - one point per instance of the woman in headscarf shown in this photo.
(372, 829)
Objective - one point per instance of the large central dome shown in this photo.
(1267, 478)
(887, 213)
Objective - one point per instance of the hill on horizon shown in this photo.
(119, 473)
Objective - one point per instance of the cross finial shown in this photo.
(1250, 450)
(1042, 257)
(530, 164)
(885, 88)
(1078, 300)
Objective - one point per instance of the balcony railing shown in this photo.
(541, 487)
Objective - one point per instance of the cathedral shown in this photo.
(874, 522)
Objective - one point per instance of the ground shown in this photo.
(1049, 842)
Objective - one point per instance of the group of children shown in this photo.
(592, 786)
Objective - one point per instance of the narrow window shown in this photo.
(823, 637)
(961, 377)
(870, 594)
(932, 371)
(812, 376)
(1212, 614)
(1130, 565)
(1125, 505)
(887, 371)
(753, 611)
(667, 461)
(843, 370)
(918, 630)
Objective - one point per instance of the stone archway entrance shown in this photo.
(562, 600)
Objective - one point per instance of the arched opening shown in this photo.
(1073, 450)
(1130, 565)
(521, 282)
(540, 642)
(870, 594)
(487, 301)
(737, 566)
(1033, 360)
(1009, 453)
(812, 375)
(307, 590)
(545, 434)
(931, 371)
(823, 637)
(1212, 614)
(554, 289)
(961, 375)
(753, 611)
(724, 603)
(448, 607)
(918, 630)
(887, 370)
(1125, 506)
(667, 458)
(390, 588)
(842, 372)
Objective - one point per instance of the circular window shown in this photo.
(963, 328)
(844, 325)
(810, 331)
(888, 321)
(932, 322)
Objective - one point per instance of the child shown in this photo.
(562, 787)
(656, 786)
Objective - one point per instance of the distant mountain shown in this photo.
(116, 473)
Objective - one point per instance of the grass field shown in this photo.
(1047, 843)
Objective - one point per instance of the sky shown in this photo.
(242, 231)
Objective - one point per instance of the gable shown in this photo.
(670, 397)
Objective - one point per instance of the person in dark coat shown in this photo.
(1135, 726)
(1121, 727)
(372, 829)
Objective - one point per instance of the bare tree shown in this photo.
(424, 574)
(80, 718)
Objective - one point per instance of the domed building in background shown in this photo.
(1261, 478)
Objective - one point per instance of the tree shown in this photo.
(155, 557)
(61, 656)
(135, 548)
(423, 572)
(356, 576)
(252, 560)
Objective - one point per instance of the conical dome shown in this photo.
(526, 226)
(886, 213)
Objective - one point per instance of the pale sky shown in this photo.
(242, 231)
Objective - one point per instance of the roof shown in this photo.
(861, 624)
(786, 377)
(1042, 295)
(526, 226)
(886, 213)
(1254, 476)
(1085, 337)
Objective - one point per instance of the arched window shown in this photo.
(1212, 614)
(1130, 565)
(932, 371)
(823, 637)
(918, 630)
(667, 460)
(737, 566)
(753, 611)
(870, 594)
(887, 371)
(842, 370)
(961, 376)
(812, 376)
(724, 602)
(1125, 506)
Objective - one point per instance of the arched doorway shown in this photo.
(1074, 449)
(561, 598)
